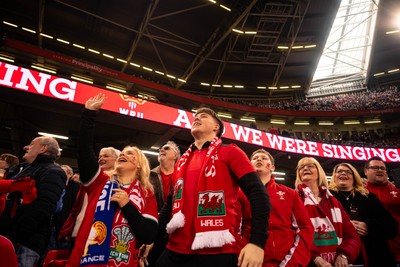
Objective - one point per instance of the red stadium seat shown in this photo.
(56, 258)
(7, 253)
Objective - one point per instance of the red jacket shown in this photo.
(389, 195)
(351, 244)
(289, 228)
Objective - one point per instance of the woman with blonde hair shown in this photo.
(122, 211)
(336, 242)
(373, 222)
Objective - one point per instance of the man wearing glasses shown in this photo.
(378, 183)
(161, 179)
(161, 176)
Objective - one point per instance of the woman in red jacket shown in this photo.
(336, 242)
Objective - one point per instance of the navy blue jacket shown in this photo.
(31, 224)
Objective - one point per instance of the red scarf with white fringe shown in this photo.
(210, 198)
(328, 232)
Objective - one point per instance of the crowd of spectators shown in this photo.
(381, 140)
(370, 99)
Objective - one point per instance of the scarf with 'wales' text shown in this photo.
(210, 196)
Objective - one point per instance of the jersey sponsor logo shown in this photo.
(211, 203)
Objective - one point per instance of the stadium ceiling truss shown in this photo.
(275, 23)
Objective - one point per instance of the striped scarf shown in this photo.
(327, 227)
(97, 247)
(210, 198)
(111, 241)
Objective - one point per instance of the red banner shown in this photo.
(129, 78)
(60, 88)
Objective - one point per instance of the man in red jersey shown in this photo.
(161, 179)
(378, 183)
(199, 215)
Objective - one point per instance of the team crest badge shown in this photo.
(281, 195)
(178, 189)
(211, 203)
(120, 252)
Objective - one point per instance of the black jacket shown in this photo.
(156, 182)
(31, 223)
(381, 226)
(69, 199)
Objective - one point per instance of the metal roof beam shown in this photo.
(300, 13)
(150, 10)
(212, 43)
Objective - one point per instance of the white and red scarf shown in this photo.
(211, 193)
(327, 233)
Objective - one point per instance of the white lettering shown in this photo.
(9, 73)
(243, 133)
(240, 132)
(378, 152)
(101, 203)
(358, 153)
(27, 76)
(392, 155)
(210, 172)
(256, 137)
(92, 259)
(301, 146)
(28, 81)
(212, 222)
(275, 141)
(335, 151)
(65, 92)
(182, 120)
(327, 152)
(289, 145)
(345, 152)
(312, 146)
(367, 150)
(124, 111)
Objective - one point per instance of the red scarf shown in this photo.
(123, 249)
(210, 198)
(328, 232)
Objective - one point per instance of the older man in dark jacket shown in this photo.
(28, 226)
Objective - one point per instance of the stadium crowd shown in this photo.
(210, 206)
(382, 98)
